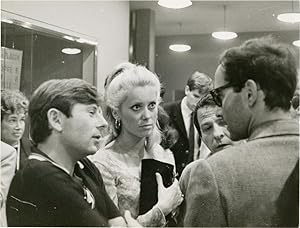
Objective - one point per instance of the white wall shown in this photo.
(107, 21)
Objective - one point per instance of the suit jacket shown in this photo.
(8, 164)
(181, 148)
(244, 185)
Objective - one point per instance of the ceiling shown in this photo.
(208, 16)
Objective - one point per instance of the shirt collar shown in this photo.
(275, 128)
(184, 107)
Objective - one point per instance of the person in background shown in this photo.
(132, 96)
(58, 185)
(7, 171)
(242, 185)
(14, 107)
(212, 127)
(180, 112)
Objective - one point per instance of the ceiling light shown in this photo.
(71, 51)
(175, 4)
(296, 43)
(224, 35)
(289, 17)
(7, 21)
(180, 47)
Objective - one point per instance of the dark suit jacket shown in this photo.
(181, 148)
(25, 150)
(244, 185)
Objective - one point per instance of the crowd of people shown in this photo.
(227, 154)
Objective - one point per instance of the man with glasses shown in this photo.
(246, 185)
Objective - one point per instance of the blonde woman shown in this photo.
(132, 97)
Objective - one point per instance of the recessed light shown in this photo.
(180, 47)
(224, 35)
(289, 17)
(175, 4)
(296, 43)
(71, 51)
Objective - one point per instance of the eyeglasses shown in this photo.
(216, 93)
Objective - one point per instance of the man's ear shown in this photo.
(252, 92)
(186, 90)
(55, 119)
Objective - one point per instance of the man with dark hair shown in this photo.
(59, 186)
(241, 185)
(180, 113)
(212, 127)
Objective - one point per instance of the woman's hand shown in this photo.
(168, 198)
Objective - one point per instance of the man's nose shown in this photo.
(218, 133)
(101, 122)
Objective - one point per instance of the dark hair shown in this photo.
(60, 94)
(13, 101)
(200, 81)
(207, 100)
(267, 62)
(169, 135)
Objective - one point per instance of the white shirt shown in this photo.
(186, 114)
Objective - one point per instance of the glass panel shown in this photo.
(32, 52)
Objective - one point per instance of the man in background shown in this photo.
(246, 184)
(180, 112)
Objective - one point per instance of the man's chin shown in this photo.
(222, 147)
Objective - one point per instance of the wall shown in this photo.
(107, 21)
(175, 68)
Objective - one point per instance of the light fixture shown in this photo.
(291, 17)
(7, 21)
(296, 43)
(180, 47)
(175, 4)
(224, 35)
(71, 51)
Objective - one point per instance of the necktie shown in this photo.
(191, 139)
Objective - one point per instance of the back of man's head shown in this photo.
(269, 63)
(200, 81)
(61, 94)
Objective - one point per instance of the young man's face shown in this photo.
(213, 128)
(12, 127)
(82, 131)
(192, 97)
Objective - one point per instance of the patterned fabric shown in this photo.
(122, 181)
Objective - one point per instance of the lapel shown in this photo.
(179, 119)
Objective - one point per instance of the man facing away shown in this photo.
(180, 113)
(247, 184)
(59, 186)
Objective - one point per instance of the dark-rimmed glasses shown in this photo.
(216, 93)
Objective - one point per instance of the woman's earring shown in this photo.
(117, 124)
